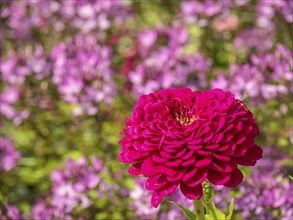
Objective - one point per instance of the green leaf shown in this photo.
(189, 214)
(291, 178)
(230, 211)
(213, 213)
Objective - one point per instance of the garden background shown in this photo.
(72, 71)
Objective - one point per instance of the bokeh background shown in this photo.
(72, 71)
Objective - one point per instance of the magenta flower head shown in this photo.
(180, 137)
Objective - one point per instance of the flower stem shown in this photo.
(199, 209)
(211, 209)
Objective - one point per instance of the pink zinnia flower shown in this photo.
(180, 137)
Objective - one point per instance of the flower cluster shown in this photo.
(9, 212)
(265, 197)
(43, 210)
(70, 188)
(8, 154)
(182, 137)
(32, 62)
(140, 202)
(261, 37)
(71, 184)
(162, 62)
(266, 76)
(24, 18)
(91, 15)
(254, 39)
(267, 193)
(8, 98)
(202, 12)
(81, 69)
(267, 10)
(144, 209)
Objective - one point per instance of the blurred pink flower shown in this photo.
(8, 154)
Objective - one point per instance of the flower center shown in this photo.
(185, 120)
(184, 115)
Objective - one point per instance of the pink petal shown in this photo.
(168, 188)
(203, 152)
(213, 146)
(204, 131)
(224, 167)
(198, 178)
(195, 142)
(228, 138)
(188, 162)
(175, 177)
(251, 156)
(241, 140)
(181, 153)
(159, 159)
(187, 156)
(175, 143)
(220, 124)
(174, 163)
(156, 199)
(170, 149)
(168, 171)
(153, 183)
(221, 157)
(149, 167)
(135, 169)
(165, 154)
(219, 138)
(128, 156)
(204, 162)
(190, 173)
(217, 178)
(195, 147)
(191, 192)
(239, 126)
(236, 178)
(208, 137)
(229, 127)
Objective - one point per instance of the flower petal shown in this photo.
(135, 169)
(236, 178)
(198, 178)
(191, 192)
(217, 178)
(203, 162)
(153, 182)
(156, 199)
(251, 156)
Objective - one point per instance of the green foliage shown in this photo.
(189, 214)
(213, 213)
(231, 207)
